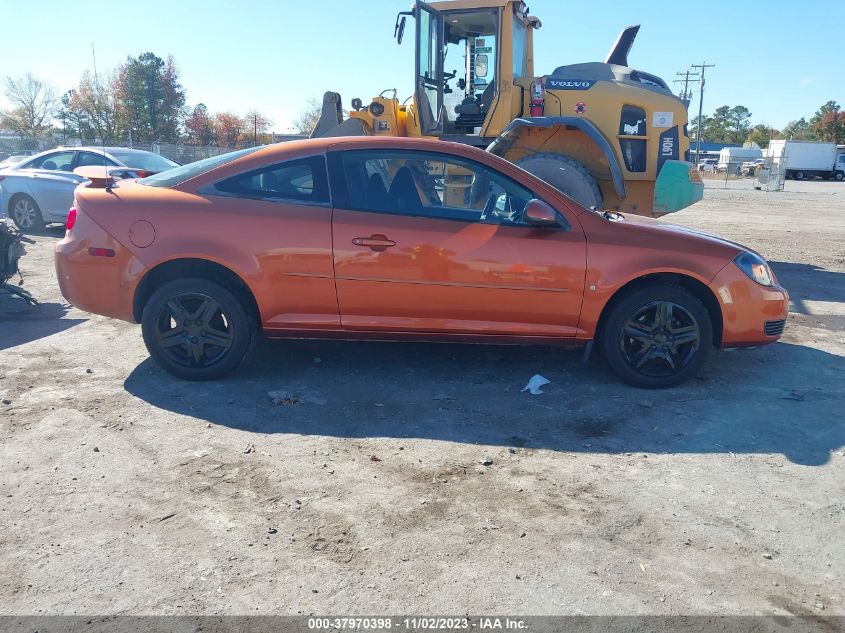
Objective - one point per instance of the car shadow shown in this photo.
(809, 283)
(780, 399)
(22, 323)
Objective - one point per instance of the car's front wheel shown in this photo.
(657, 336)
(196, 329)
(25, 214)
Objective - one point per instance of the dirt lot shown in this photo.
(126, 491)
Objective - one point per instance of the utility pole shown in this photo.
(686, 95)
(702, 67)
(255, 130)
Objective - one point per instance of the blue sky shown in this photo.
(780, 62)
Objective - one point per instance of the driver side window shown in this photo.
(432, 185)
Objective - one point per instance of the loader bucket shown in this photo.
(678, 186)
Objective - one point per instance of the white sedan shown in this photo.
(39, 191)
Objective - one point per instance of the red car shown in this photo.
(394, 238)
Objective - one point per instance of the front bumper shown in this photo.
(751, 314)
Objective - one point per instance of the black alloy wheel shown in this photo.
(657, 337)
(196, 329)
(193, 330)
(660, 339)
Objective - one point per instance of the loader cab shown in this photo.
(469, 54)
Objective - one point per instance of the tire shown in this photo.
(636, 331)
(25, 214)
(565, 174)
(839, 176)
(799, 175)
(213, 338)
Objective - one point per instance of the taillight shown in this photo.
(538, 97)
(71, 219)
(100, 252)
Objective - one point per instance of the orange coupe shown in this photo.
(401, 239)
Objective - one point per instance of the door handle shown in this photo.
(378, 242)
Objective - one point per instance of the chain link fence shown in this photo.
(179, 152)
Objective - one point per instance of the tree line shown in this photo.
(140, 101)
(143, 101)
(733, 125)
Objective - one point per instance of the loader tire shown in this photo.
(565, 174)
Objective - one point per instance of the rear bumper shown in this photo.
(102, 285)
(752, 314)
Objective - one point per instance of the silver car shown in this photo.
(13, 159)
(39, 191)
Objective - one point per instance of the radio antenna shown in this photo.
(102, 131)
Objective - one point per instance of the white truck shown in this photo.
(731, 158)
(809, 159)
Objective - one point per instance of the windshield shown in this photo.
(144, 160)
(178, 175)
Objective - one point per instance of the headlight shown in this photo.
(755, 267)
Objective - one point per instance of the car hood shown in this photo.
(677, 234)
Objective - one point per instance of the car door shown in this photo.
(280, 215)
(433, 243)
(52, 182)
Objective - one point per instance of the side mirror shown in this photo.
(539, 213)
(399, 30)
(481, 65)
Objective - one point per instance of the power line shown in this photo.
(686, 93)
(702, 66)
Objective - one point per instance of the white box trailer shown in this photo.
(731, 158)
(808, 159)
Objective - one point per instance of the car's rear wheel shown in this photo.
(25, 214)
(657, 337)
(197, 329)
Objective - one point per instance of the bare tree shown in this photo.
(34, 103)
(97, 104)
(308, 118)
(258, 127)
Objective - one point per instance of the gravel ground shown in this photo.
(125, 491)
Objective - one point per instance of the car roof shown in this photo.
(98, 149)
(122, 150)
(319, 145)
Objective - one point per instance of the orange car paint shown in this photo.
(441, 278)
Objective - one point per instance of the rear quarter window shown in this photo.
(302, 180)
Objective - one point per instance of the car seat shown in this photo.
(403, 195)
(377, 198)
(472, 112)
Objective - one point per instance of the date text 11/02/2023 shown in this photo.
(419, 623)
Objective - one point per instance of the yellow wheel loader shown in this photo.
(605, 134)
